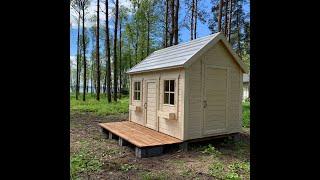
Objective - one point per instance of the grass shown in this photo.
(240, 167)
(216, 170)
(246, 114)
(234, 171)
(82, 162)
(154, 176)
(101, 107)
(127, 167)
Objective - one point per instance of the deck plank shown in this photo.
(139, 135)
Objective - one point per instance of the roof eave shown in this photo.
(156, 69)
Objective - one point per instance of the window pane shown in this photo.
(166, 98)
(138, 85)
(135, 86)
(166, 85)
(171, 98)
(134, 95)
(172, 85)
(138, 95)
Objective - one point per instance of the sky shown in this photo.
(184, 34)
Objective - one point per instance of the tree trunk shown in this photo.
(195, 18)
(92, 77)
(78, 58)
(148, 34)
(120, 65)
(176, 34)
(105, 83)
(172, 22)
(80, 67)
(220, 15)
(136, 50)
(238, 29)
(84, 58)
(87, 85)
(97, 52)
(115, 75)
(226, 18)
(142, 50)
(230, 21)
(191, 22)
(108, 64)
(166, 24)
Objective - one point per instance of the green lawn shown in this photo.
(102, 107)
(246, 114)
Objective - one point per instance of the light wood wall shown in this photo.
(217, 56)
(172, 127)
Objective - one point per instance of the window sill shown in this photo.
(169, 105)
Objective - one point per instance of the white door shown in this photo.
(215, 99)
(151, 105)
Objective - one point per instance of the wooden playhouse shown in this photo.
(184, 92)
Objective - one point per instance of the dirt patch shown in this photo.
(110, 161)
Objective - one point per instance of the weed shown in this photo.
(211, 150)
(240, 167)
(232, 176)
(127, 167)
(81, 162)
(216, 170)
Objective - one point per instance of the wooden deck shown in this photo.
(138, 135)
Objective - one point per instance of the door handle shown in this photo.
(145, 105)
(205, 104)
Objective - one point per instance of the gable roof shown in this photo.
(183, 54)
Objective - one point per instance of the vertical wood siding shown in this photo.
(171, 127)
(216, 56)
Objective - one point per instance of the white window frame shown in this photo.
(169, 92)
(137, 91)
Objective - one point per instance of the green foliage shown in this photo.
(216, 170)
(240, 167)
(246, 114)
(231, 172)
(83, 162)
(127, 167)
(101, 107)
(211, 150)
(232, 176)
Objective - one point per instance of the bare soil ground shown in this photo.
(95, 157)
